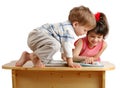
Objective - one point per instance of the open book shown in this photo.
(95, 64)
(61, 63)
(56, 63)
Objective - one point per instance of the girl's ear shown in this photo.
(75, 24)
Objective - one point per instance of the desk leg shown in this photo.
(103, 79)
(14, 79)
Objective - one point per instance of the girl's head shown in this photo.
(82, 19)
(101, 25)
(99, 33)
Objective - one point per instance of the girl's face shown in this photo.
(80, 30)
(94, 39)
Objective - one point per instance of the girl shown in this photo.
(89, 48)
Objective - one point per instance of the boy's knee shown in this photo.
(56, 46)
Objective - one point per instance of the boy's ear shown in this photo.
(75, 24)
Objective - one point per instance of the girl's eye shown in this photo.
(85, 30)
(92, 36)
(99, 37)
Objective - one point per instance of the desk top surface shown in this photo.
(58, 67)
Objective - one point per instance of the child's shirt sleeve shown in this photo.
(67, 49)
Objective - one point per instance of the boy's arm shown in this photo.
(67, 55)
(72, 64)
(70, 61)
(63, 56)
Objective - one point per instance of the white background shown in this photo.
(19, 17)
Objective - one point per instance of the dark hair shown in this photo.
(101, 26)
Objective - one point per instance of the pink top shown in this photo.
(87, 51)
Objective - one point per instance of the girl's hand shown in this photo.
(89, 60)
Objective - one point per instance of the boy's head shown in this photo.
(83, 16)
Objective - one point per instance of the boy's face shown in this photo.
(94, 38)
(80, 30)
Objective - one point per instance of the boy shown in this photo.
(46, 40)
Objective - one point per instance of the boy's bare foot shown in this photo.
(23, 59)
(36, 61)
(39, 64)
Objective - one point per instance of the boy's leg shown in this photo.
(43, 45)
(23, 59)
(46, 52)
(36, 61)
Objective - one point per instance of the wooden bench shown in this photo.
(58, 77)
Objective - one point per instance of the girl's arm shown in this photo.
(94, 58)
(101, 51)
(77, 50)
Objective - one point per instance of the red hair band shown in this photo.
(97, 16)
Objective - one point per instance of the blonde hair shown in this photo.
(83, 15)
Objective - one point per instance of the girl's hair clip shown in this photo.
(97, 16)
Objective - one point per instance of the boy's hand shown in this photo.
(71, 64)
(74, 65)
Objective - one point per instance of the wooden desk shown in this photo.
(58, 77)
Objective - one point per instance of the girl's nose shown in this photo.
(95, 39)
